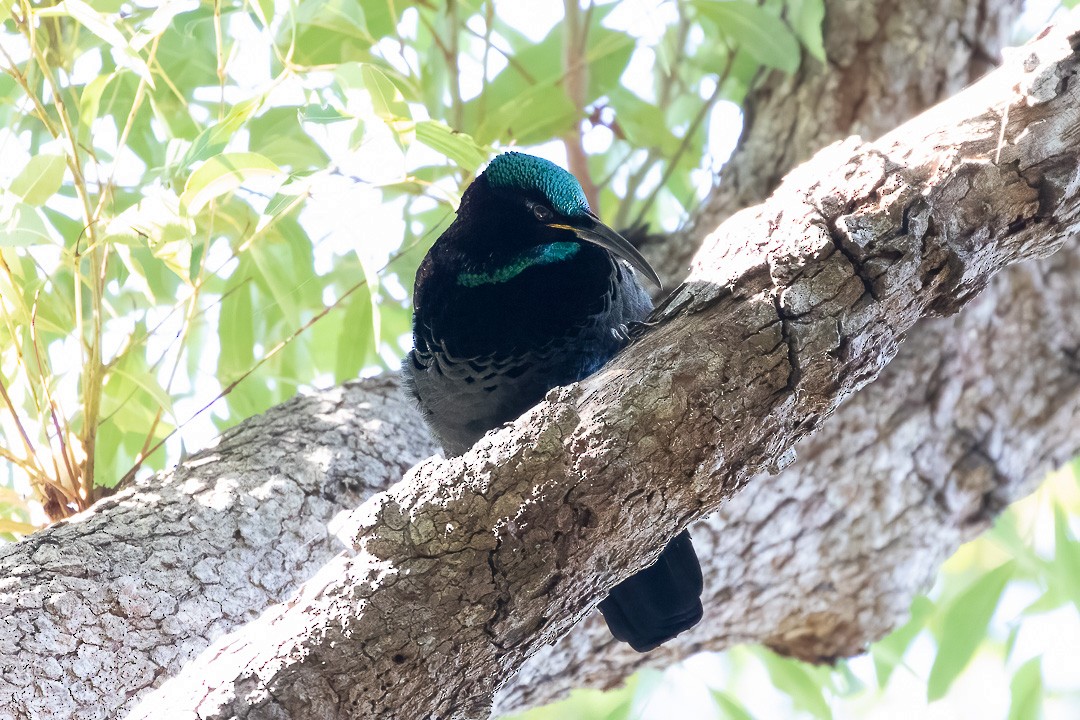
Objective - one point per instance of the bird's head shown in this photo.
(542, 211)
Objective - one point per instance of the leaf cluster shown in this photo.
(206, 206)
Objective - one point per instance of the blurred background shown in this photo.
(207, 207)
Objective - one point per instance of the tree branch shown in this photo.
(790, 307)
(825, 556)
(78, 628)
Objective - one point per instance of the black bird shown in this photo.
(525, 291)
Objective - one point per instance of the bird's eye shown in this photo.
(542, 213)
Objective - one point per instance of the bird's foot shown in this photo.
(637, 329)
(621, 333)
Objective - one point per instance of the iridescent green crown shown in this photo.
(526, 172)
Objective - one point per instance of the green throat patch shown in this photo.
(541, 255)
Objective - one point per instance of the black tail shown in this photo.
(659, 602)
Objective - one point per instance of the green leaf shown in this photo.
(22, 225)
(806, 18)
(283, 201)
(213, 139)
(124, 384)
(1027, 691)
(278, 135)
(264, 11)
(1064, 572)
(458, 146)
(40, 179)
(105, 28)
(186, 53)
(283, 268)
(607, 53)
(963, 626)
(766, 37)
(148, 383)
(357, 345)
(381, 17)
(162, 280)
(109, 456)
(389, 104)
(89, 104)
(313, 44)
(155, 220)
(286, 198)
(798, 681)
(889, 652)
(337, 16)
(535, 115)
(236, 331)
(527, 99)
(107, 6)
(354, 339)
(273, 272)
(621, 711)
(1049, 601)
(322, 114)
(642, 122)
(222, 174)
(730, 708)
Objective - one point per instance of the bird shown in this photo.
(527, 290)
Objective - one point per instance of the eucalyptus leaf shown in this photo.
(1026, 690)
(765, 36)
(222, 174)
(797, 680)
(888, 653)
(389, 104)
(22, 225)
(279, 136)
(729, 706)
(105, 28)
(806, 18)
(40, 178)
(459, 147)
(963, 625)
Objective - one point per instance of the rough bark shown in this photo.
(80, 595)
(827, 555)
(790, 307)
(99, 608)
(887, 62)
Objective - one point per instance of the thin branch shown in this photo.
(687, 138)
(576, 82)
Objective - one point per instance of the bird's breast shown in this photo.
(485, 354)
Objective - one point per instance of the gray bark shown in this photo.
(888, 61)
(174, 592)
(470, 565)
(100, 608)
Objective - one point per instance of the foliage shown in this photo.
(205, 206)
(173, 245)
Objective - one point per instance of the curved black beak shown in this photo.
(591, 230)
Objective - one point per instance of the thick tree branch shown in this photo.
(791, 306)
(826, 555)
(98, 608)
(887, 62)
(45, 590)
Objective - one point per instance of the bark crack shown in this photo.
(788, 337)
